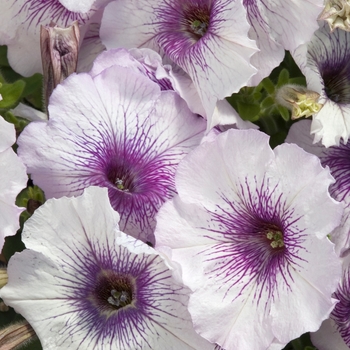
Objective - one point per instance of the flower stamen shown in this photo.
(276, 237)
(119, 299)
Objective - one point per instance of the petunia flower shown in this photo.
(275, 26)
(325, 63)
(83, 284)
(13, 178)
(337, 158)
(251, 241)
(207, 39)
(335, 332)
(112, 128)
(20, 23)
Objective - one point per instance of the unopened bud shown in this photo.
(59, 54)
(3, 277)
(337, 14)
(299, 100)
(16, 335)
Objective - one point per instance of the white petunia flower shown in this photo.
(249, 231)
(325, 62)
(83, 284)
(113, 128)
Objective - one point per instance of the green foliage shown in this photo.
(11, 93)
(258, 104)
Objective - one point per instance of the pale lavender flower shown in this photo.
(325, 63)
(113, 128)
(207, 39)
(251, 227)
(337, 158)
(13, 178)
(83, 284)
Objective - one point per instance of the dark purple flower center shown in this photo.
(113, 291)
(196, 19)
(337, 82)
(121, 177)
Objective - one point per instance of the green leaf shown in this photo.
(11, 94)
(248, 111)
(3, 56)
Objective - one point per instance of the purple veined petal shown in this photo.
(270, 53)
(325, 63)
(252, 235)
(115, 130)
(209, 53)
(88, 285)
(91, 45)
(284, 19)
(337, 159)
(275, 25)
(340, 315)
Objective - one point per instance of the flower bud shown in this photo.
(59, 54)
(337, 14)
(299, 100)
(16, 335)
(3, 277)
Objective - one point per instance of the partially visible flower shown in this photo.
(20, 23)
(325, 62)
(113, 128)
(337, 14)
(83, 284)
(251, 227)
(13, 179)
(335, 332)
(275, 25)
(337, 158)
(207, 39)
